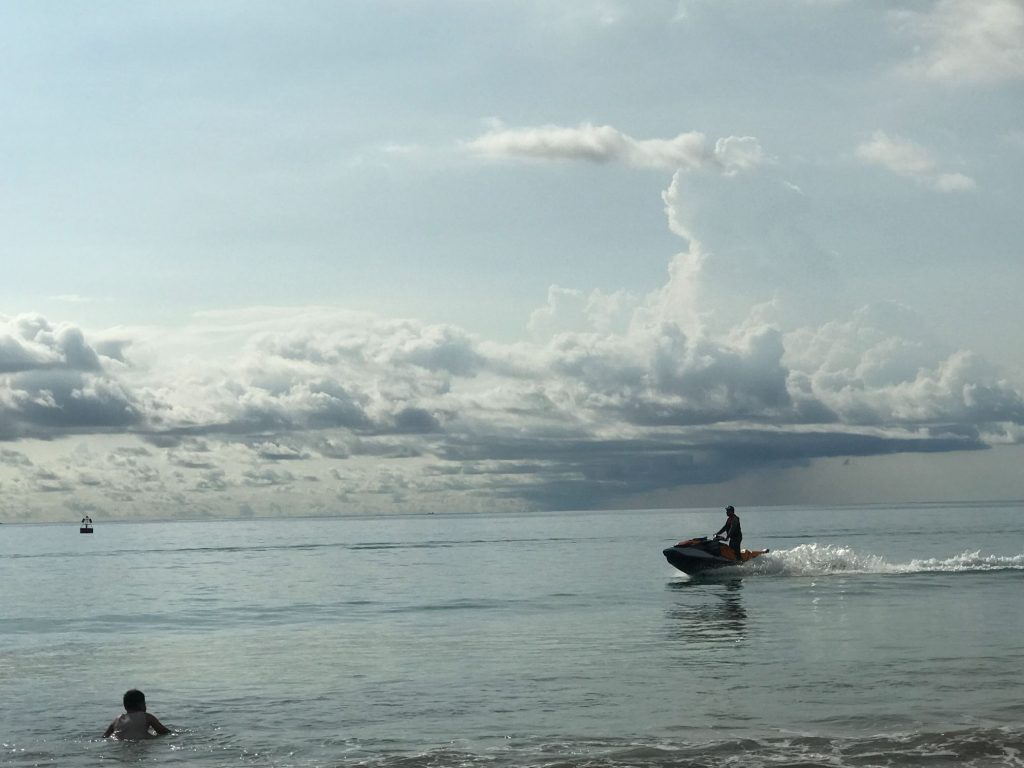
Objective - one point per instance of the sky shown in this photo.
(318, 258)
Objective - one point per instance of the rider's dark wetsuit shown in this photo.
(734, 532)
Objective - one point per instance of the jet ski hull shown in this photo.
(698, 555)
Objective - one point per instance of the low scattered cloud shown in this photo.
(575, 417)
(912, 161)
(279, 451)
(45, 481)
(54, 381)
(605, 144)
(14, 458)
(267, 476)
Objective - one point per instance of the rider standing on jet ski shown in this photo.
(732, 530)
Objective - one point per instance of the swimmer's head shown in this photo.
(134, 701)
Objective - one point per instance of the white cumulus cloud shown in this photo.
(910, 160)
(966, 42)
(605, 144)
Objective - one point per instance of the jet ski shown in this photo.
(703, 554)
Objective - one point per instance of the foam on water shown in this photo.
(821, 559)
(970, 561)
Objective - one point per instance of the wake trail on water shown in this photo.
(821, 559)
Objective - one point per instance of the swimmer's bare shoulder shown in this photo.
(156, 725)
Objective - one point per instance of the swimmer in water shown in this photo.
(136, 722)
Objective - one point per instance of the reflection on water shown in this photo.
(708, 613)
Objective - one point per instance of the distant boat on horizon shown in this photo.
(86, 525)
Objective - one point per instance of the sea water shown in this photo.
(867, 637)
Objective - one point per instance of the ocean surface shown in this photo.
(867, 637)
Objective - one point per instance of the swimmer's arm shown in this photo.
(110, 729)
(156, 725)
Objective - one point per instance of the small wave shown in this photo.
(821, 559)
(161, 550)
(982, 747)
(978, 748)
(459, 604)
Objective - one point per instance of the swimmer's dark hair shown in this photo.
(134, 701)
